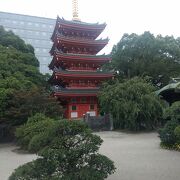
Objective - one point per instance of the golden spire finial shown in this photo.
(75, 10)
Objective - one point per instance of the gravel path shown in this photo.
(136, 156)
(139, 157)
(11, 158)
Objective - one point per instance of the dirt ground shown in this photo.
(136, 156)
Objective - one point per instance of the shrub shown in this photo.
(35, 125)
(38, 141)
(177, 133)
(167, 135)
(173, 112)
(132, 104)
(170, 134)
(71, 152)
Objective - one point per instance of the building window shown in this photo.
(91, 99)
(37, 49)
(83, 99)
(73, 100)
(91, 107)
(74, 108)
(22, 22)
(37, 41)
(74, 114)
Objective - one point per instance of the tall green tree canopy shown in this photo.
(132, 104)
(147, 55)
(22, 86)
(9, 39)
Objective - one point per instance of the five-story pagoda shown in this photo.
(76, 74)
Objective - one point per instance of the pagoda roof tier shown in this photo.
(78, 26)
(78, 75)
(63, 92)
(81, 74)
(64, 41)
(69, 57)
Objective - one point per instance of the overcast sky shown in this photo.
(121, 16)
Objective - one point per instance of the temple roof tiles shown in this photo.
(62, 20)
(84, 73)
(78, 92)
(82, 55)
(85, 41)
(172, 86)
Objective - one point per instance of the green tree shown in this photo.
(23, 89)
(68, 151)
(35, 125)
(8, 39)
(177, 134)
(146, 55)
(24, 104)
(169, 134)
(132, 104)
(173, 112)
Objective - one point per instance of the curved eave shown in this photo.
(169, 87)
(80, 24)
(76, 92)
(59, 57)
(84, 42)
(82, 75)
(55, 61)
(65, 56)
(52, 50)
(62, 94)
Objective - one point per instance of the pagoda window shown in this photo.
(71, 83)
(82, 83)
(73, 108)
(74, 100)
(91, 107)
(89, 83)
(83, 100)
(92, 100)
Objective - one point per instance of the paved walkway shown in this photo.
(10, 159)
(139, 157)
(136, 156)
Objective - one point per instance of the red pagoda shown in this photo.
(76, 68)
